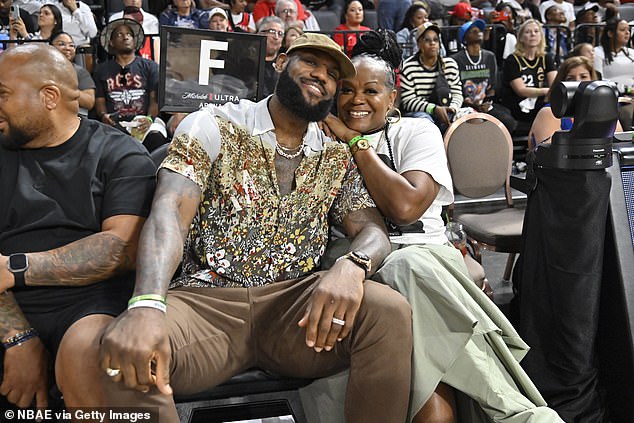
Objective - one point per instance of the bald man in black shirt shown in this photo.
(75, 194)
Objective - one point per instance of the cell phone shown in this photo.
(15, 11)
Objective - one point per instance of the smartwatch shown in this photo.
(18, 263)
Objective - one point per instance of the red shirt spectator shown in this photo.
(353, 16)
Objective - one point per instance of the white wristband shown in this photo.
(150, 304)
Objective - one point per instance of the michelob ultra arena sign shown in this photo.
(199, 67)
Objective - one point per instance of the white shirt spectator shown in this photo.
(80, 24)
(620, 71)
(150, 22)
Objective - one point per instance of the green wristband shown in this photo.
(354, 140)
(430, 109)
(153, 297)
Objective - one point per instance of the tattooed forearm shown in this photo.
(83, 262)
(11, 317)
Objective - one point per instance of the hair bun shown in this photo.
(380, 43)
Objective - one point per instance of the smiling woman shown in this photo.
(456, 327)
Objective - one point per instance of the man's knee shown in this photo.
(77, 360)
(388, 307)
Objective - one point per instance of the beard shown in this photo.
(290, 95)
(15, 139)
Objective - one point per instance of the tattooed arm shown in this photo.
(85, 261)
(12, 320)
(160, 250)
(25, 366)
(82, 262)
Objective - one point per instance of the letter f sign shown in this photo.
(206, 47)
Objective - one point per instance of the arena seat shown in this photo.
(626, 11)
(370, 19)
(479, 152)
(327, 19)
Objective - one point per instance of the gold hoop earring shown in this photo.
(393, 120)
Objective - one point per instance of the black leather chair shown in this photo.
(255, 393)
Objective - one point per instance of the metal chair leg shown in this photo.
(506, 278)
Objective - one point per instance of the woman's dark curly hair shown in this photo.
(381, 45)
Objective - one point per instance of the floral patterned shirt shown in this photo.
(246, 233)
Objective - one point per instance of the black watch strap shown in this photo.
(18, 263)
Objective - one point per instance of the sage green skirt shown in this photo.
(460, 338)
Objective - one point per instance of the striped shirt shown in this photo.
(417, 84)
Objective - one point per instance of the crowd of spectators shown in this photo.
(498, 57)
(501, 58)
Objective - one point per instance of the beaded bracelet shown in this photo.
(149, 304)
(19, 338)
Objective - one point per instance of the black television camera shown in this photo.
(588, 145)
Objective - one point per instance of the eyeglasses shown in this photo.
(431, 40)
(289, 11)
(273, 32)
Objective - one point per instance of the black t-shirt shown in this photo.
(127, 89)
(54, 196)
(533, 73)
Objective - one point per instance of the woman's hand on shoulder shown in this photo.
(334, 128)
